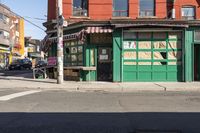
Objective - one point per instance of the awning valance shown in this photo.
(91, 30)
(67, 37)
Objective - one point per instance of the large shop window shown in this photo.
(80, 8)
(188, 13)
(120, 8)
(147, 8)
(151, 48)
(73, 55)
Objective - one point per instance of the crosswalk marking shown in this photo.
(20, 94)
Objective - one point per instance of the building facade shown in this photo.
(16, 37)
(128, 40)
(11, 36)
(4, 36)
(32, 47)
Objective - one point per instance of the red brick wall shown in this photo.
(51, 9)
(133, 8)
(161, 8)
(179, 3)
(102, 9)
(67, 8)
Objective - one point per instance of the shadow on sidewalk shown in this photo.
(30, 80)
(99, 122)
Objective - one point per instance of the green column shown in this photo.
(188, 55)
(117, 42)
(90, 75)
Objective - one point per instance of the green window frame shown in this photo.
(73, 53)
(151, 50)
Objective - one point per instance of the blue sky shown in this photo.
(33, 9)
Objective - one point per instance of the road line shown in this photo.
(20, 94)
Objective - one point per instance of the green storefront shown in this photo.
(131, 52)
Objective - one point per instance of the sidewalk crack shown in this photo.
(165, 88)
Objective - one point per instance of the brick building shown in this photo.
(128, 40)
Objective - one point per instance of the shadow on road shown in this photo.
(99, 122)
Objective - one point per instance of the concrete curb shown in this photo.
(27, 84)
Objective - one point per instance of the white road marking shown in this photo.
(20, 94)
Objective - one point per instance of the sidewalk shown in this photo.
(50, 84)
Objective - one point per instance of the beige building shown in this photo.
(4, 35)
(11, 36)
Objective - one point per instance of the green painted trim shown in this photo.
(90, 75)
(117, 49)
(189, 37)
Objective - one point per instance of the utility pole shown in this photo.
(60, 21)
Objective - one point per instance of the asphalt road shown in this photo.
(14, 72)
(99, 112)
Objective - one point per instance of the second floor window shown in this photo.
(120, 8)
(147, 8)
(80, 8)
(4, 34)
(188, 13)
(4, 18)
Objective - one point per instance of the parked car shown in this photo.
(20, 64)
(41, 63)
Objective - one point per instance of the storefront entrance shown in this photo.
(104, 64)
(196, 62)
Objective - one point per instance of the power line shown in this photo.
(42, 19)
(1, 1)
(34, 24)
(29, 21)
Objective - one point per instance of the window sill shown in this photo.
(79, 17)
(120, 18)
(147, 17)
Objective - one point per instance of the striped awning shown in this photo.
(92, 30)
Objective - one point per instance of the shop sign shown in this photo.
(30, 49)
(52, 61)
(129, 55)
(129, 45)
(2, 51)
(103, 57)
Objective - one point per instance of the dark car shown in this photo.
(41, 63)
(20, 64)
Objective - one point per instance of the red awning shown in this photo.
(91, 30)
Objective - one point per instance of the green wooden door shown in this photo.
(196, 62)
(152, 56)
